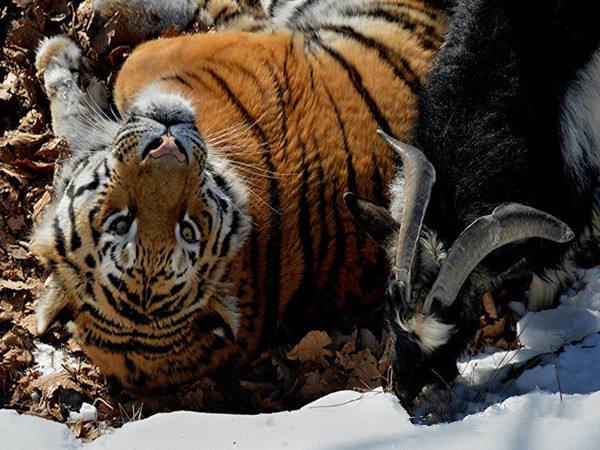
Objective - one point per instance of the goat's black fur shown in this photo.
(490, 115)
(490, 123)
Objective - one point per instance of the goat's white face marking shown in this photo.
(431, 333)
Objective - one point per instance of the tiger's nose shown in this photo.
(166, 145)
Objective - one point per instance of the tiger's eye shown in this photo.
(188, 233)
(121, 226)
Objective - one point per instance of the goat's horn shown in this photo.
(508, 223)
(419, 176)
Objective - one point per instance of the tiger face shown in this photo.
(138, 240)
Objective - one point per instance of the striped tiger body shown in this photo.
(210, 218)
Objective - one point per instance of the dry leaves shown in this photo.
(311, 348)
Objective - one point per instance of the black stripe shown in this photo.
(137, 347)
(75, 238)
(340, 246)
(428, 37)
(302, 295)
(378, 185)
(124, 309)
(218, 233)
(114, 258)
(352, 186)
(235, 225)
(272, 7)
(120, 286)
(300, 9)
(401, 5)
(323, 217)
(90, 261)
(178, 79)
(59, 238)
(221, 183)
(95, 233)
(273, 257)
(111, 328)
(87, 187)
(177, 288)
(224, 15)
(357, 82)
(351, 177)
(404, 72)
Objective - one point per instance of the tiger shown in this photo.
(203, 221)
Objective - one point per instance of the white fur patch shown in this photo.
(154, 100)
(431, 332)
(543, 292)
(580, 123)
(397, 193)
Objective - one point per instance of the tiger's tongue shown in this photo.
(168, 147)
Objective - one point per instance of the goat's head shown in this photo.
(430, 298)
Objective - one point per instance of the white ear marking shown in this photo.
(431, 333)
(49, 306)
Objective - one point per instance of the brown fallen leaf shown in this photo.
(40, 205)
(118, 55)
(52, 149)
(18, 251)
(86, 431)
(495, 329)
(365, 374)
(21, 144)
(312, 348)
(29, 323)
(32, 122)
(16, 223)
(57, 392)
(34, 166)
(489, 305)
(17, 285)
(14, 172)
(317, 384)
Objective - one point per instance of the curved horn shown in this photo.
(419, 177)
(508, 223)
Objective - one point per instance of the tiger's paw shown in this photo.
(61, 64)
(58, 53)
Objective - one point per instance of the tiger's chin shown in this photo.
(139, 375)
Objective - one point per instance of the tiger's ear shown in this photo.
(53, 308)
(372, 218)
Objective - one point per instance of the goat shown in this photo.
(509, 125)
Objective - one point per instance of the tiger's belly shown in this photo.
(300, 131)
(299, 148)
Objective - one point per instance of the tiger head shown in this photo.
(138, 239)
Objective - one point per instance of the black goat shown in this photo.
(511, 114)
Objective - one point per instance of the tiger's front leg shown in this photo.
(78, 100)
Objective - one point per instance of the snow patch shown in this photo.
(545, 395)
(49, 360)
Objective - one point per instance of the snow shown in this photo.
(86, 413)
(545, 395)
(49, 360)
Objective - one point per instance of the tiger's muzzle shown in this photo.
(171, 143)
